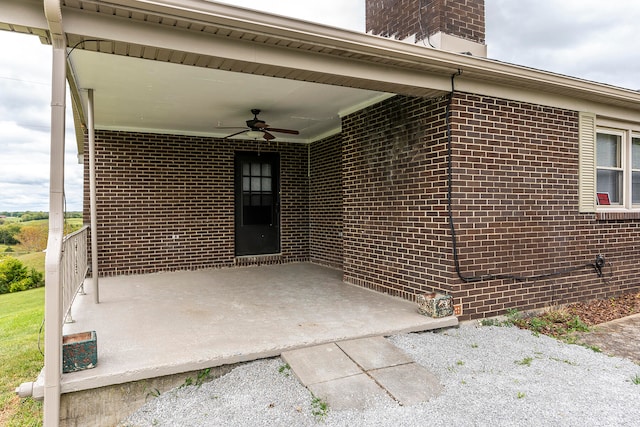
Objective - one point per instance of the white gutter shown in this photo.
(53, 268)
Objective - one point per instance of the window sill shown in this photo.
(617, 215)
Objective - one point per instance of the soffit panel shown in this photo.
(204, 16)
(143, 95)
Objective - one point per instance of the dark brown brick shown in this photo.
(514, 199)
(404, 18)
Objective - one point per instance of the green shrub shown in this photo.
(16, 277)
(20, 285)
(37, 278)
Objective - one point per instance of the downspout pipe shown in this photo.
(53, 267)
(92, 193)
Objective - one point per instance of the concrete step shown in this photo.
(361, 373)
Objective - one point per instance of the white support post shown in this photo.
(92, 196)
(53, 290)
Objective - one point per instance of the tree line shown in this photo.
(33, 216)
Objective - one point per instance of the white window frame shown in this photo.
(623, 155)
(633, 135)
(626, 159)
(590, 126)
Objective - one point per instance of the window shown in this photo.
(618, 168)
(257, 193)
(609, 165)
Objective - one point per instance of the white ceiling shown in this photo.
(152, 96)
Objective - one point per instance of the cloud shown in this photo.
(589, 39)
(25, 97)
(25, 103)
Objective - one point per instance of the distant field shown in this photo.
(35, 222)
(72, 221)
(33, 260)
(75, 222)
(11, 219)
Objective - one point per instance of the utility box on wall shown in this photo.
(435, 305)
(79, 352)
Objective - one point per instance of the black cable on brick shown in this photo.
(597, 266)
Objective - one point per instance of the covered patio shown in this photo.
(161, 324)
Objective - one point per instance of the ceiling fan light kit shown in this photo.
(254, 134)
(257, 128)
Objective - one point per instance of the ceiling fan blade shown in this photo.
(289, 131)
(268, 136)
(237, 133)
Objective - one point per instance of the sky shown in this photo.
(589, 39)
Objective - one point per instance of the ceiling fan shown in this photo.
(259, 128)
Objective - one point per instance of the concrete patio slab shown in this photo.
(408, 384)
(161, 324)
(354, 392)
(374, 353)
(320, 364)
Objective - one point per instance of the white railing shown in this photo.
(74, 268)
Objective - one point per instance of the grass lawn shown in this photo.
(74, 222)
(21, 315)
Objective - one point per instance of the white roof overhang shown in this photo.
(192, 66)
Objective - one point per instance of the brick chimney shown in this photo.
(454, 25)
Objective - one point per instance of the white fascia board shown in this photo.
(25, 13)
(146, 34)
(273, 25)
(413, 66)
(29, 13)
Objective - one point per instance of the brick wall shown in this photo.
(325, 202)
(394, 191)
(383, 183)
(515, 175)
(516, 210)
(404, 18)
(154, 187)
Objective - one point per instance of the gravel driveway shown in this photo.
(492, 376)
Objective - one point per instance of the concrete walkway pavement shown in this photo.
(620, 337)
(357, 374)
